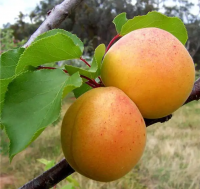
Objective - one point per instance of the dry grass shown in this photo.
(171, 159)
(172, 156)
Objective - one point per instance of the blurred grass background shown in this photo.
(171, 159)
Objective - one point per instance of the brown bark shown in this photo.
(50, 177)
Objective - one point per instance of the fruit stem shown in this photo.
(112, 41)
(100, 79)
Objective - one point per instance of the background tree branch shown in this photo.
(55, 17)
(61, 170)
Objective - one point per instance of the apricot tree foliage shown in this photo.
(32, 92)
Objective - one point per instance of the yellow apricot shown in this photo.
(153, 68)
(103, 134)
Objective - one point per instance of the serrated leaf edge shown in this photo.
(73, 85)
(0, 120)
(34, 43)
(41, 129)
(35, 135)
(3, 54)
(60, 31)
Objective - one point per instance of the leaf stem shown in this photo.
(90, 66)
(90, 82)
(85, 61)
(100, 79)
(49, 68)
(112, 41)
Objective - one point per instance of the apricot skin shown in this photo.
(103, 134)
(153, 68)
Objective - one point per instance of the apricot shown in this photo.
(153, 68)
(103, 134)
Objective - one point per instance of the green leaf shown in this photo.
(1, 127)
(173, 25)
(68, 186)
(119, 21)
(73, 181)
(94, 71)
(48, 164)
(8, 62)
(75, 39)
(32, 102)
(43, 161)
(73, 82)
(47, 50)
(3, 88)
(97, 60)
(81, 90)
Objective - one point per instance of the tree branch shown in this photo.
(50, 177)
(149, 122)
(61, 170)
(195, 94)
(55, 17)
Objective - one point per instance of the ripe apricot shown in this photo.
(153, 68)
(103, 134)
